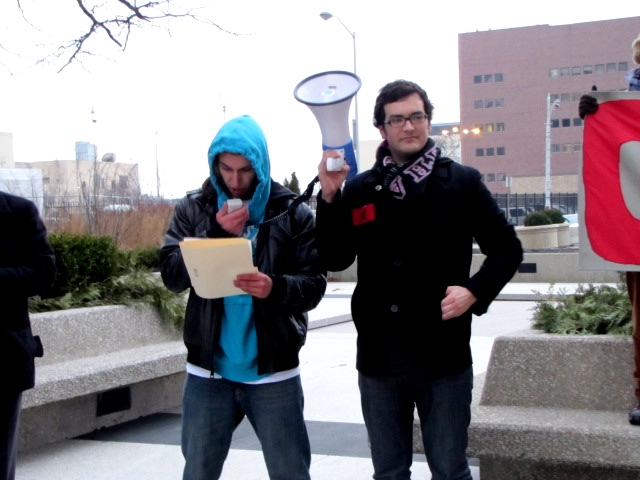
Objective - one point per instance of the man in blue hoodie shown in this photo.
(243, 350)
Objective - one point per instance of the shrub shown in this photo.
(93, 272)
(82, 260)
(144, 257)
(536, 218)
(554, 215)
(595, 310)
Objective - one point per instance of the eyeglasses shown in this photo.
(399, 120)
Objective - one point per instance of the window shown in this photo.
(600, 68)
(623, 66)
(478, 104)
(564, 72)
(611, 67)
(577, 147)
(499, 127)
(566, 147)
(555, 147)
(123, 181)
(499, 77)
(500, 151)
(566, 122)
(477, 79)
(488, 127)
(488, 78)
(576, 70)
(587, 69)
(553, 97)
(553, 73)
(491, 177)
(575, 96)
(479, 152)
(490, 152)
(565, 97)
(577, 122)
(499, 102)
(501, 177)
(488, 104)
(555, 123)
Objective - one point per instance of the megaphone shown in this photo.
(328, 95)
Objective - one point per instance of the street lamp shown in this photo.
(356, 125)
(547, 165)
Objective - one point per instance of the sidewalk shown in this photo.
(149, 448)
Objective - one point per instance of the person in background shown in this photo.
(588, 105)
(27, 268)
(242, 350)
(411, 221)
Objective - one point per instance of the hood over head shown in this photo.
(243, 136)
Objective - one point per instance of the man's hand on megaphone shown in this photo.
(331, 180)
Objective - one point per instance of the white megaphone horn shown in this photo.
(328, 95)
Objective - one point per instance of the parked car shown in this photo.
(571, 217)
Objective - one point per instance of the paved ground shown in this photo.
(149, 448)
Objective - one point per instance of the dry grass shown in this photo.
(142, 226)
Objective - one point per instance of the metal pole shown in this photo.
(547, 163)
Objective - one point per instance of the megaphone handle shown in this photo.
(349, 156)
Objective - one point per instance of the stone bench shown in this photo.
(101, 366)
(555, 407)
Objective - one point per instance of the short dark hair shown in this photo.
(395, 91)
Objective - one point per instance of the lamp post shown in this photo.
(547, 164)
(356, 124)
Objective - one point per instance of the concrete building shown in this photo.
(506, 77)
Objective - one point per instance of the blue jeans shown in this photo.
(213, 408)
(444, 408)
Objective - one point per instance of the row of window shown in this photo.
(555, 148)
(494, 177)
(598, 68)
(490, 151)
(489, 103)
(566, 122)
(488, 78)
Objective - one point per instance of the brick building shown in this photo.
(506, 77)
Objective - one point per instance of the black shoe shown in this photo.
(634, 415)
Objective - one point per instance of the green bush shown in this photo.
(82, 260)
(594, 310)
(144, 257)
(534, 219)
(93, 272)
(554, 215)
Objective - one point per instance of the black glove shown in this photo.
(588, 104)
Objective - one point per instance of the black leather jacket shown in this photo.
(286, 251)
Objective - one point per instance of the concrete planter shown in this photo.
(540, 236)
(555, 407)
(564, 235)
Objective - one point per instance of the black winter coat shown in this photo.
(27, 268)
(408, 252)
(286, 251)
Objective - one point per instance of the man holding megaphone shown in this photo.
(411, 221)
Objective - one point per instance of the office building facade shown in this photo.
(511, 79)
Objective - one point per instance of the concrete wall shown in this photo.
(537, 267)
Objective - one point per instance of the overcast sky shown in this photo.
(184, 85)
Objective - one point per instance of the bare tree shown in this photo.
(114, 20)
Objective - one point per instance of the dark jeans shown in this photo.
(9, 422)
(212, 408)
(444, 408)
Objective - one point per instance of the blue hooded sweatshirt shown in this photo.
(236, 355)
